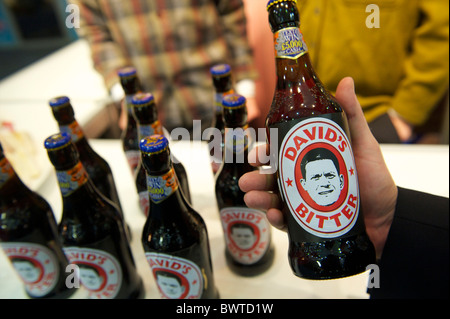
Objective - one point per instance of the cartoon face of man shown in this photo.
(90, 278)
(243, 235)
(321, 179)
(170, 284)
(26, 270)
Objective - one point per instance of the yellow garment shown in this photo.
(403, 64)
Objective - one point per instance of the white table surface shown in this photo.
(276, 283)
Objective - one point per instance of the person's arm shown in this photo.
(426, 76)
(415, 259)
(106, 53)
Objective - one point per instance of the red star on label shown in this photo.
(289, 182)
(352, 171)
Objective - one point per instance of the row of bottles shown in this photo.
(92, 232)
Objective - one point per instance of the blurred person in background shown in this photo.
(172, 44)
(397, 51)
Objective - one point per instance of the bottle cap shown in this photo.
(56, 141)
(233, 101)
(220, 69)
(142, 98)
(127, 71)
(153, 144)
(58, 101)
(272, 2)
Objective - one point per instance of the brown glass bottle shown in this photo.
(93, 235)
(223, 85)
(249, 250)
(130, 137)
(146, 117)
(29, 237)
(316, 171)
(98, 169)
(174, 238)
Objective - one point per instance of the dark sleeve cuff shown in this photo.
(415, 259)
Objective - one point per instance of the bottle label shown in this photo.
(70, 180)
(133, 158)
(247, 233)
(289, 43)
(317, 177)
(36, 265)
(161, 187)
(177, 278)
(6, 171)
(73, 129)
(150, 129)
(100, 272)
(144, 202)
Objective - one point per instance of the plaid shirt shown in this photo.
(172, 44)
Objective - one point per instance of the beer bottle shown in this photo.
(223, 85)
(249, 250)
(29, 237)
(146, 116)
(98, 169)
(93, 235)
(174, 238)
(316, 170)
(129, 137)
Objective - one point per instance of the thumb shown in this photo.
(345, 94)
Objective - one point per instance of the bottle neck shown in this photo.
(75, 184)
(149, 129)
(238, 141)
(166, 197)
(10, 183)
(293, 64)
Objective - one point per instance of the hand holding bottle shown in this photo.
(378, 190)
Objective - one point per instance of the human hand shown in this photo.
(377, 188)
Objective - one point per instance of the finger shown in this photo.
(259, 155)
(262, 200)
(256, 181)
(276, 219)
(345, 94)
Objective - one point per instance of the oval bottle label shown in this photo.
(317, 176)
(247, 233)
(36, 265)
(177, 278)
(100, 272)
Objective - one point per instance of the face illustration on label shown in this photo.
(177, 278)
(247, 233)
(100, 272)
(318, 178)
(36, 266)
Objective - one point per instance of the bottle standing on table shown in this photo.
(98, 169)
(223, 85)
(29, 237)
(316, 171)
(129, 137)
(174, 238)
(93, 235)
(146, 116)
(249, 250)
